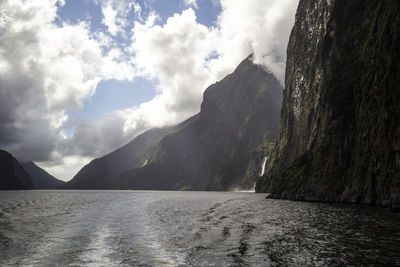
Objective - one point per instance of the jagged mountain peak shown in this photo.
(211, 150)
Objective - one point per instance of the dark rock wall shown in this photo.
(339, 137)
(12, 175)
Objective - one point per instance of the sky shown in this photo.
(80, 78)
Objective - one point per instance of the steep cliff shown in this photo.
(213, 151)
(339, 137)
(12, 175)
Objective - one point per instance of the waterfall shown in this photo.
(264, 162)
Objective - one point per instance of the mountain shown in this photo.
(221, 147)
(12, 174)
(41, 179)
(217, 149)
(103, 172)
(339, 137)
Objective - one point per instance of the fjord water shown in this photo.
(190, 228)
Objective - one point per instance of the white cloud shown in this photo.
(138, 11)
(115, 14)
(174, 54)
(46, 70)
(96, 138)
(192, 3)
(261, 27)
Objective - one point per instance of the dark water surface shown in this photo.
(190, 228)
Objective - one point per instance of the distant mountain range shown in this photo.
(103, 172)
(26, 175)
(15, 175)
(218, 149)
(41, 179)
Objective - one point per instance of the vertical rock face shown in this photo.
(339, 137)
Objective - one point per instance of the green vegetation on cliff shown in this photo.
(339, 137)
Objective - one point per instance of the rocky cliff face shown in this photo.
(213, 150)
(12, 175)
(339, 137)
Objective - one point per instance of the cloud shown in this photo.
(174, 54)
(46, 70)
(101, 136)
(138, 11)
(192, 3)
(115, 14)
(63, 167)
(260, 27)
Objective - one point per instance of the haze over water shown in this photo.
(190, 228)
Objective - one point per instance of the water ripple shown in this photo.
(142, 228)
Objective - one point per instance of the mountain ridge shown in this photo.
(214, 151)
(12, 175)
(100, 173)
(179, 157)
(40, 178)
